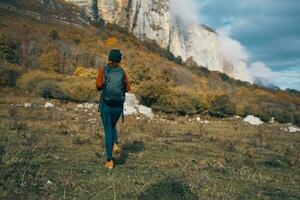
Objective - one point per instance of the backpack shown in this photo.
(113, 93)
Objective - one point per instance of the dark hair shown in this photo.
(115, 55)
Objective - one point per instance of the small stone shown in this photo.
(28, 105)
(86, 105)
(48, 105)
(49, 183)
(56, 157)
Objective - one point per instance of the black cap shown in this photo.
(115, 55)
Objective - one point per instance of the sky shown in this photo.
(269, 31)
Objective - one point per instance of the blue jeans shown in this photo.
(110, 116)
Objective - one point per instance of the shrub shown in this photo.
(9, 50)
(297, 118)
(54, 35)
(88, 73)
(52, 85)
(223, 106)
(79, 89)
(9, 74)
(283, 116)
(51, 89)
(139, 74)
(151, 91)
(224, 77)
(265, 116)
(180, 102)
(29, 81)
(112, 41)
(50, 59)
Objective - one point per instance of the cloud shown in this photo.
(286, 79)
(259, 70)
(186, 10)
(237, 56)
(261, 33)
(268, 30)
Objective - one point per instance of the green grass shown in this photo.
(160, 160)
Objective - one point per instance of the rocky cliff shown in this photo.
(152, 19)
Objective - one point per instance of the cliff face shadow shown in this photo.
(169, 188)
(131, 147)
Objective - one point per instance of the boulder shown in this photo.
(291, 129)
(250, 119)
(132, 106)
(145, 111)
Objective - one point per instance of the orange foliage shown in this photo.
(112, 41)
(50, 59)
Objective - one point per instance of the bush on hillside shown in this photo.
(180, 103)
(9, 50)
(29, 81)
(57, 86)
(151, 91)
(79, 89)
(54, 35)
(283, 116)
(88, 73)
(297, 118)
(51, 89)
(9, 74)
(50, 59)
(161, 98)
(222, 106)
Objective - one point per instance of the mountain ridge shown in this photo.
(153, 20)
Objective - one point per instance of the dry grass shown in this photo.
(160, 160)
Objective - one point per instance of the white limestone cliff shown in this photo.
(151, 19)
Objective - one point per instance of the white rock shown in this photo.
(291, 129)
(199, 120)
(145, 111)
(86, 105)
(48, 105)
(48, 183)
(204, 122)
(250, 119)
(129, 110)
(272, 120)
(132, 106)
(27, 105)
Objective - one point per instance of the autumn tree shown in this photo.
(50, 59)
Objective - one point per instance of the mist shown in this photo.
(189, 12)
(186, 10)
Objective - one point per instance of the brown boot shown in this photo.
(109, 165)
(116, 151)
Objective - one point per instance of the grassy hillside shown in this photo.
(60, 61)
(59, 154)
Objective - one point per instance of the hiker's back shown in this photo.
(114, 90)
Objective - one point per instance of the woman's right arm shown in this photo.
(99, 80)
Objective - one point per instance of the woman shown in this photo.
(113, 82)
